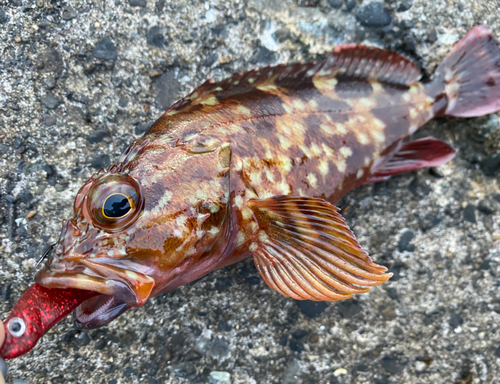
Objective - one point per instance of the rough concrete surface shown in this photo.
(79, 80)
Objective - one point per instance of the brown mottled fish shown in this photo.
(252, 165)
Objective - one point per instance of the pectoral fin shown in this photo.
(306, 251)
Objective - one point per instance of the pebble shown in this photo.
(138, 3)
(6, 291)
(49, 170)
(491, 165)
(314, 338)
(155, 37)
(223, 326)
(394, 364)
(340, 371)
(83, 339)
(469, 213)
(350, 5)
(50, 83)
(263, 56)
(219, 377)
(487, 206)
(404, 241)
(105, 50)
(349, 308)
(100, 344)
(68, 13)
(50, 101)
(289, 375)
(219, 347)
(30, 215)
(98, 136)
(3, 16)
(167, 89)
(373, 15)
(455, 320)
(335, 3)
(101, 161)
(405, 5)
(185, 370)
(296, 345)
(311, 309)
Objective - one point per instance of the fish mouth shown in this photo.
(130, 287)
(98, 311)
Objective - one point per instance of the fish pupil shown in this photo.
(15, 327)
(116, 205)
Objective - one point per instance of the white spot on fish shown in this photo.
(238, 201)
(362, 138)
(328, 151)
(286, 163)
(240, 238)
(368, 103)
(263, 237)
(360, 173)
(313, 180)
(316, 149)
(214, 230)
(284, 187)
(212, 100)
(284, 141)
(323, 167)
(379, 123)
(270, 176)
(341, 165)
(341, 128)
(298, 104)
(326, 128)
(379, 136)
(377, 87)
(345, 151)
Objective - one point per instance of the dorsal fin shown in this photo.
(348, 60)
(371, 63)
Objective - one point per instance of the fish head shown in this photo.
(159, 212)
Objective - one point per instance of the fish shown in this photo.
(252, 166)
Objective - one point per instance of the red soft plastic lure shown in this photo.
(37, 310)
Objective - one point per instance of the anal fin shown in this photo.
(421, 153)
(305, 250)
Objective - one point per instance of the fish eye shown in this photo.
(16, 327)
(114, 202)
(116, 206)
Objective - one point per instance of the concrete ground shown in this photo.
(79, 80)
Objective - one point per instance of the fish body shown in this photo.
(252, 165)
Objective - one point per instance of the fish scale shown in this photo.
(251, 166)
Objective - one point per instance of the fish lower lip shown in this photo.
(98, 311)
(115, 288)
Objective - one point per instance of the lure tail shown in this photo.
(470, 75)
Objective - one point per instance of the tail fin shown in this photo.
(471, 75)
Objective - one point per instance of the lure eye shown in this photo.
(116, 206)
(114, 202)
(16, 327)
